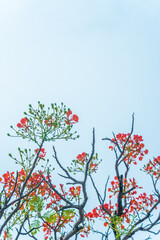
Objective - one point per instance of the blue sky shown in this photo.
(101, 58)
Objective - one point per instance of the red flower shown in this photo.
(74, 191)
(42, 153)
(158, 159)
(122, 226)
(146, 151)
(111, 147)
(5, 235)
(90, 215)
(23, 124)
(49, 121)
(105, 224)
(93, 167)
(128, 220)
(22, 175)
(82, 157)
(71, 119)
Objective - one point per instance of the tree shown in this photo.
(30, 200)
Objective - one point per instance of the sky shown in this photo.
(101, 58)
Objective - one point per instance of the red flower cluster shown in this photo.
(42, 153)
(62, 220)
(81, 157)
(23, 124)
(93, 167)
(49, 121)
(142, 202)
(78, 164)
(85, 231)
(158, 159)
(5, 235)
(133, 149)
(100, 212)
(75, 191)
(9, 182)
(126, 185)
(44, 191)
(131, 202)
(71, 119)
(55, 202)
(47, 230)
(153, 167)
(135, 204)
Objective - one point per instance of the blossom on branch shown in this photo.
(42, 153)
(49, 121)
(71, 119)
(23, 124)
(132, 147)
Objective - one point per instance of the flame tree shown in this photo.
(31, 202)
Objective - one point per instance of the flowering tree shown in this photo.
(128, 209)
(30, 200)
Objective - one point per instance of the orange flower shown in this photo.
(105, 224)
(5, 235)
(111, 147)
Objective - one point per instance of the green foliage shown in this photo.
(46, 124)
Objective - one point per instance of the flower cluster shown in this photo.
(75, 192)
(133, 203)
(54, 123)
(47, 205)
(79, 164)
(153, 167)
(41, 203)
(93, 167)
(107, 211)
(126, 186)
(34, 201)
(81, 157)
(23, 124)
(49, 121)
(85, 231)
(42, 153)
(9, 182)
(142, 202)
(62, 220)
(134, 148)
(71, 118)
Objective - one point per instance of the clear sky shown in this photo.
(101, 58)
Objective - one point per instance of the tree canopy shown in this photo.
(31, 202)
